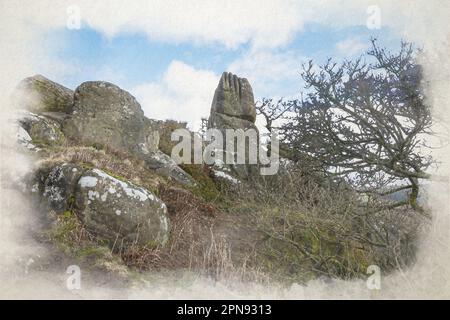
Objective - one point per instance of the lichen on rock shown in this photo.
(105, 114)
(42, 130)
(120, 211)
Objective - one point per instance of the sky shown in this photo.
(170, 54)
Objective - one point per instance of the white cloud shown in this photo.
(267, 23)
(264, 23)
(184, 94)
(351, 47)
(267, 70)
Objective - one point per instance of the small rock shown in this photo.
(42, 129)
(165, 165)
(59, 186)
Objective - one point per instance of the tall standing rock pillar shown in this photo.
(233, 107)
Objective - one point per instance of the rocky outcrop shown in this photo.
(97, 114)
(118, 212)
(107, 115)
(39, 94)
(233, 107)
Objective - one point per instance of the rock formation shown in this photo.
(39, 94)
(233, 98)
(104, 193)
(120, 211)
(116, 211)
(107, 115)
(100, 115)
(233, 107)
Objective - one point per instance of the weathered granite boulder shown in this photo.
(233, 107)
(39, 94)
(41, 129)
(104, 114)
(113, 210)
(120, 211)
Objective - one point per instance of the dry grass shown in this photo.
(191, 218)
(117, 164)
(165, 129)
(293, 225)
(67, 234)
(195, 244)
(192, 244)
(315, 228)
(141, 258)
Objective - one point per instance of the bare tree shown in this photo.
(272, 111)
(366, 122)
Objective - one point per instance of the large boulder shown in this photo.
(39, 94)
(115, 211)
(120, 211)
(233, 107)
(104, 114)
